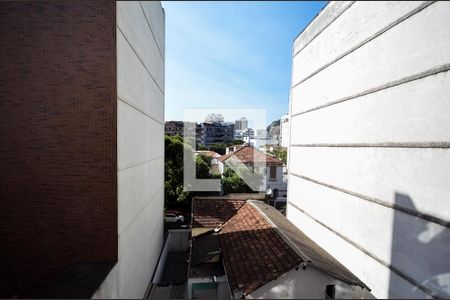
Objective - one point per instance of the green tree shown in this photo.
(235, 142)
(173, 185)
(219, 148)
(202, 165)
(233, 183)
(281, 154)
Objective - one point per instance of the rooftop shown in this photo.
(210, 212)
(258, 244)
(213, 211)
(311, 253)
(249, 154)
(253, 252)
(208, 153)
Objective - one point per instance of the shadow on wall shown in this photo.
(421, 249)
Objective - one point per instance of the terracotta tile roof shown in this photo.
(312, 253)
(212, 212)
(253, 252)
(224, 157)
(208, 153)
(257, 251)
(248, 154)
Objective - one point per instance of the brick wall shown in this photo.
(58, 180)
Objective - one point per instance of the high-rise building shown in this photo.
(241, 124)
(82, 125)
(369, 150)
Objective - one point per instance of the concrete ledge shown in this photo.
(324, 18)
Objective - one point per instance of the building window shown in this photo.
(273, 173)
(330, 292)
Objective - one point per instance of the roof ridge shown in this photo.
(242, 147)
(284, 237)
(233, 153)
(219, 228)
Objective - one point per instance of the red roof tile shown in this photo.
(253, 252)
(208, 153)
(251, 155)
(257, 251)
(210, 212)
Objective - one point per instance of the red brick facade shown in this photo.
(58, 124)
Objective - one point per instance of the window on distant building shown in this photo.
(273, 173)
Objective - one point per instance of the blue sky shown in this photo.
(231, 55)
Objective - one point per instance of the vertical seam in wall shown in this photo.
(367, 40)
(288, 160)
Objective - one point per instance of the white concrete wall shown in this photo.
(299, 284)
(369, 155)
(140, 146)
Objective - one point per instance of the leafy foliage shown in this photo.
(233, 183)
(173, 185)
(203, 165)
(201, 147)
(281, 154)
(220, 148)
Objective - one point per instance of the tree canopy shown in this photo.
(173, 185)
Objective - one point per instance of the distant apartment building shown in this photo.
(241, 124)
(172, 128)
(369, 150)
(199, 130)
(284, 131)
(245, 135)
(217, 133)
(238, 135)
(82, 125)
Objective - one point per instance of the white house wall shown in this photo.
(296, 284)
(368, 158)
(140, 110)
